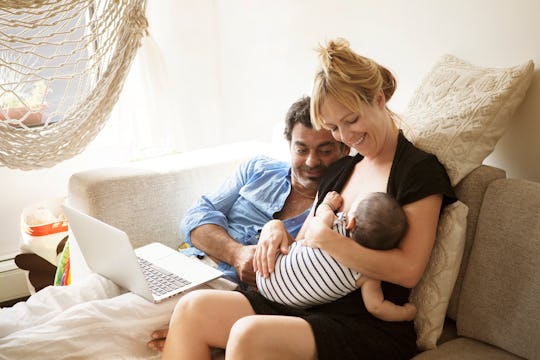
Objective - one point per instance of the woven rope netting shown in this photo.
(62, 67)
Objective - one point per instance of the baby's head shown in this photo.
(377, 222)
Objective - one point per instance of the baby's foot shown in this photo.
(158, 340)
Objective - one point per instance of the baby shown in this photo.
(308, 277)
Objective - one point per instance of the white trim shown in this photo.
(6, 257)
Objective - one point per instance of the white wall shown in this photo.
(268, 57)
(236, 65)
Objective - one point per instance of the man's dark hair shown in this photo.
(298, 113)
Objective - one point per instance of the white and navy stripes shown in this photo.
(340, 224)
(306, 277)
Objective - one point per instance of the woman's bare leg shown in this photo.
(203, 319)
(271, 337)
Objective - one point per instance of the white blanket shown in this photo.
(93, 319)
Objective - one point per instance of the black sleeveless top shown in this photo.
(414, 175)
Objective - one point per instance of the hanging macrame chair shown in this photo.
(62, 67)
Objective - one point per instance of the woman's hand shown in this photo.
(317, 234)
(274, 237)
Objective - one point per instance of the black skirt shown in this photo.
(345, 330)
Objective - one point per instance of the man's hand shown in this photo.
(274, 238)
(243, 263)
(218, 244)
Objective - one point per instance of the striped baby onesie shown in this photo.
(307, 277)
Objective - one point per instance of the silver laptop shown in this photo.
(154, 271)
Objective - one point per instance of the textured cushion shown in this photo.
(432, 293)
(460, 111)
(499, 302)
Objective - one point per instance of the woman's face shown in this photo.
(364, 131)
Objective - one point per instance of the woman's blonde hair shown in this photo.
(353, 80)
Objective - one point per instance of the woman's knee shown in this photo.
(246, 328)
(243, 336)
(247, 337)
(191, 306)
(254, 335)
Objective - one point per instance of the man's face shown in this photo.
(312, 152)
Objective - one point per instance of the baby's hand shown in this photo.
(333, 200)
(410, 310)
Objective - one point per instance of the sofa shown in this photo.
(494, 310)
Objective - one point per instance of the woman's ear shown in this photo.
(380, 99)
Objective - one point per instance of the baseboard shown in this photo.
(13, 284)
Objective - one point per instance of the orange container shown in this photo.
(45, 218)
(46, 229)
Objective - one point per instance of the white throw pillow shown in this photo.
(460, 111)
(432, 294)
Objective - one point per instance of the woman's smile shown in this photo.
(361, 140)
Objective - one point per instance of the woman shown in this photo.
(349, 98)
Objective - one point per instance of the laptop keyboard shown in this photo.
(159, 280)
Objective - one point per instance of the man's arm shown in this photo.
(205, 225)
(381, 308)
(217, 243)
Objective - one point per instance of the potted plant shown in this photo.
(26, 106)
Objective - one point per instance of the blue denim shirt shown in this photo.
(243, 204)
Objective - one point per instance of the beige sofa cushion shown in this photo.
(468, 349)
(471, 191)
(499, 301)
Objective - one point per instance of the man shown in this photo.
(226, 224)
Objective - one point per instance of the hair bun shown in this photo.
(329, 51)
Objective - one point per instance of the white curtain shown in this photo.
(172, 99)
(143, 119)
